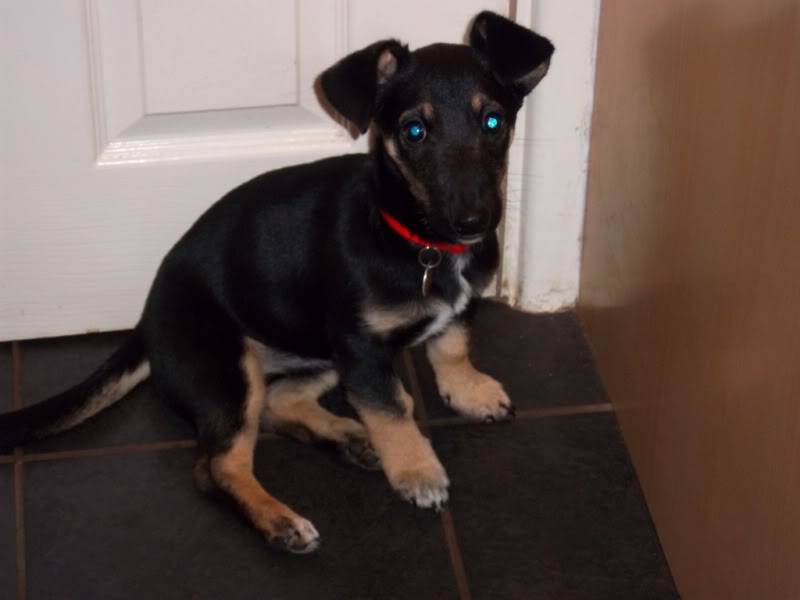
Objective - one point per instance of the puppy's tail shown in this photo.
(126, 369)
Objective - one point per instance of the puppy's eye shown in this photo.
(414, 131)
(492, 122)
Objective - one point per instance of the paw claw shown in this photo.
(358, 451)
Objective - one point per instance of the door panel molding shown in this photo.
(125, 133)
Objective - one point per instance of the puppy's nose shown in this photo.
(472, 223)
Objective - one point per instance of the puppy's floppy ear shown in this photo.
(352, 85)
(518, 57)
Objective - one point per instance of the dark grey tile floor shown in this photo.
(547, 506)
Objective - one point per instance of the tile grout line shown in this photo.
(428, 423)
(108, 451)
(19, 476)
(178, 444)
(531, 413)
(456, 558)
(448, 524)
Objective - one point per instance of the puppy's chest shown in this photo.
(414, 321)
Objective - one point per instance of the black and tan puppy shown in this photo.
(323, 272)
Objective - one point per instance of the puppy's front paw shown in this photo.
(477, 396)
(424, 485)
(294, 534)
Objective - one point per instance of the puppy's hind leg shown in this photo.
(226, 397)
(232, 470)
(293, 408)
(205, 367)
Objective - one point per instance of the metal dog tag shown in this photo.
(430, 258)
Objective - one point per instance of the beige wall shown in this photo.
(691, 278)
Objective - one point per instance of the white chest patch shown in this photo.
(383, 320)
(445, 313)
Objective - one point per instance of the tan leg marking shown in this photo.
(292, 407)
(464, 388)
(232, 471)
(410, 464)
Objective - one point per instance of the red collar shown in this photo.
(407, 234)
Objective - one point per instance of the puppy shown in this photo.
(322, 272)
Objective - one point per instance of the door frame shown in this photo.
(548, 163)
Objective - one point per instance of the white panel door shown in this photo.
(122, 120)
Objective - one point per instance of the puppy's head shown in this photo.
(444, 115)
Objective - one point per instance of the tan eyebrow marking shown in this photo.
(425, 109)
(414, 184)
(477, 102)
